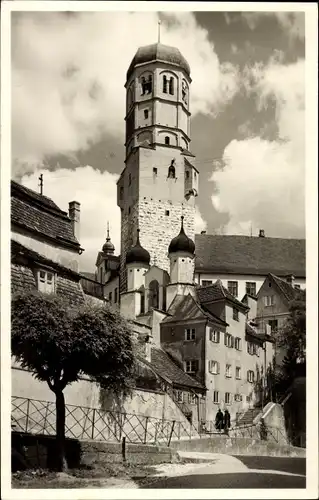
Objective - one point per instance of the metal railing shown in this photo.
(85, 423)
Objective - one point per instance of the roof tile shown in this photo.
(250, 255)
(166, 368)
(40, 214)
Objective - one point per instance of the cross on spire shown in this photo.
(159, 31)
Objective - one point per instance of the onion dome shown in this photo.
(108, 246)
(138, 253)
(158, 52)
(181, 243)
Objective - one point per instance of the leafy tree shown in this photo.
(58, 343)
(292, 340)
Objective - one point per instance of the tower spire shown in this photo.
(159, 31)
(108, 231)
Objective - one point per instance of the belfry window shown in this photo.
(171, 86)
(167, 140)
(164, 84)
(146, 85)
(145, 114)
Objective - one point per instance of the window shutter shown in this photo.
(225, 338)
(218, 337)
(232, 341)
(218, 367)
(196, 365)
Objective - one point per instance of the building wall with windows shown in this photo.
(244, 282)
(187, 349)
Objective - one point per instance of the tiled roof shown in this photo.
(250, 255)
(186, 307)
(165, 367)
(41, 215)
(286, 288)
(215, 292)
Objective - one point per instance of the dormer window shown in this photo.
(167, 140)
(46, 281)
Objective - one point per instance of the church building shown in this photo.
(203, 331)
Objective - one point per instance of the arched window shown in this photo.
(184, 92)
(171, 170)
(165, 84)
(167, 140)
(146, 85)
(153, 295)
(171, 86)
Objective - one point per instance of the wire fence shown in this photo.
(85, 423)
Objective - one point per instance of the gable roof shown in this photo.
(287, 290)
(250, 255)
(187, 308)
(166, 368)
(39, 214)
(215, 292)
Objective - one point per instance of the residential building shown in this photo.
(242, 262)
(273, 301)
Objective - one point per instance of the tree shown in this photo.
(58, 343)
(292, 339)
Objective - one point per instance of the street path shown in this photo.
(226, 471)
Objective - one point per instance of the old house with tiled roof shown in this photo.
(273, 301)
(243, 262)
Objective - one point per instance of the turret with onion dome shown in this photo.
(108, 247)
(182, 243)
(137, 263)
(137, 254)
(181, 253)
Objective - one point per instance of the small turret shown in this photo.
(108, 247)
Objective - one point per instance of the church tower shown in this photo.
(159, 182)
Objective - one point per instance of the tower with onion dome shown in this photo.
(159, 182)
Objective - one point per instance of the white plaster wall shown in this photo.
(67, 258)
(242, 279)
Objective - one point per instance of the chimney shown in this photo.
(203, 232)
(261, 233)
(290, 279)
(74, 214)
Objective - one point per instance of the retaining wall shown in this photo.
(238, 446)
(40, 452)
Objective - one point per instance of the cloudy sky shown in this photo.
(247, 103)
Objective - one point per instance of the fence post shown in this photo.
(27, 421)
(93, 423)
(45, 417)
(156, 424)
(124, 449)
(145, 434)
(170, 437)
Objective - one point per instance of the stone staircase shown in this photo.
(247, 418)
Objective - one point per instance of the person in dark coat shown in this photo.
(219, 420)
(226, 420)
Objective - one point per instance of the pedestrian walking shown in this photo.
(219, 420)
(226, 421)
